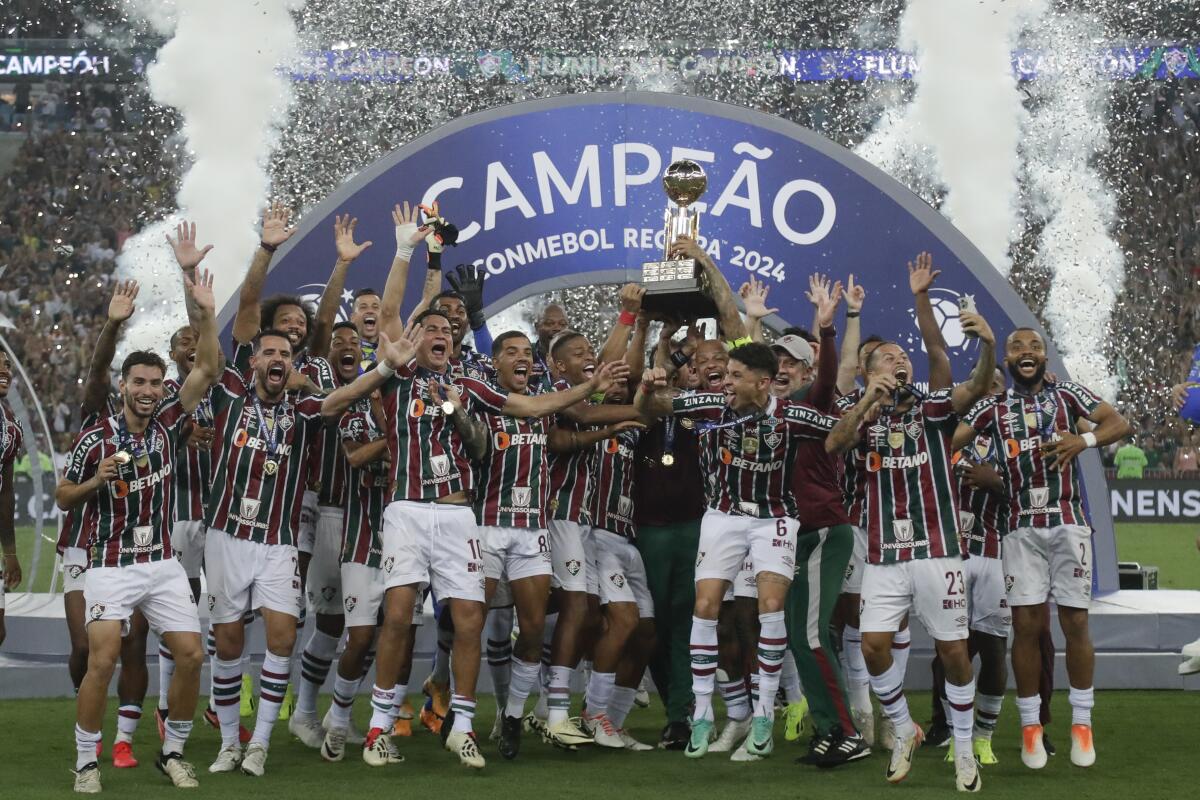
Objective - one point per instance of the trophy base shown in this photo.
(685, 296)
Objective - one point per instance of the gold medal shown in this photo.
(749, 445)
(270, 466)
(688, 423)
(121, 457)
(668, 459)
(447, 408)
(896, 439)
(1031, 420)
(142, 460)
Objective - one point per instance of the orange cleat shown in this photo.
(122, 756)
(431, 719)
(1033, 751)
(403, 726)
(1083, 751)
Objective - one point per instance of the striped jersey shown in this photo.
(429, 460)
(473, 364)
(1041, 495)
(911, 502)
(12, 438)
(612, 507)
(75, 526)
(366, 490)
(570, 473)
(853, 478)
(132, 514)
(192, 466)
(327, 464)
(248, 500)
(514, 482)
(982, 515)
(747, 459)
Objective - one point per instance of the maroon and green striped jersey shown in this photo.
(429, 461)
(12, 438)
(366, 490)
(570, 473)
(76, 525)
(327, 467)
(249, 499)
(513, 487)
(472, 364)
(1041, 495)
(911, 490)
(611, 493)
(853, 479)
(982, 515)
(747, 459)
(132, 514)
(192, 467)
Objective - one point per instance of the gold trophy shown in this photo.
(678, 286)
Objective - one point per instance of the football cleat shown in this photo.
(732, 734)
(864, 721)
(966, 772)
(674, 736)
(902, 754)
(842, 749)
(887, 733)
(494, 736)
(534, 724)
(333, 748)
(122, 756)
(604, 733)
(1033, 753)
(247, 707)
(403, 725)
(761, 740)
(354, 735)
(307, 729)
(289, 704)
(641, 698)
(938, 735)
(160, 722)
(229, 759)
(509, 742)
(632, 743)
(255, 761)
(1190, 667)
(741, 754)
(1051, 750)
(1191, 649)
(87, 779)
(463, 743)
(793, 719)
(181, 773)
(438, 694)
(818, 746)
(568, 734)
(378, 750)
(702, 736)
(983, 752)
(1083, 750)
(210, 716)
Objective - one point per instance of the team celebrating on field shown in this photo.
(731, 514)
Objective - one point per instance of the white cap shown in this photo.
(795, 346)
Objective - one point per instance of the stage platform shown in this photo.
(1138, 635)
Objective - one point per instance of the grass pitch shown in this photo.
(1145, 743)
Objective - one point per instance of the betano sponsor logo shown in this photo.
(876, 462)
(503, 441)
(120, 489)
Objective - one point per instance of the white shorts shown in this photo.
(515, 553)
(362, 591)
(933, 588)
(571, 556)
(159, 589)
(74, 567)
(324, 583)
(745, 584)
(854, 570)
(621, 573)
(989, 604)
(246, 576)
(433, 543)
(726, 541)
(187, 540)
(307, 535)
(1041, 561)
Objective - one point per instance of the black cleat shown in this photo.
(510, 737)
(675, 736)
(843, 749)
(938, 735)
(818, 745)
(1046, 743)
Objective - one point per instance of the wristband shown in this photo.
(679, 358)
(435, 260)
(627, 318)
(404, 252)
(852, 314)
(270, 248)
(1089, 439)
(738, 342)
(385, 369)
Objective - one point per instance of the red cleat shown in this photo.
(160, 719)
(210, 716)
(99, 748)
(122, 756)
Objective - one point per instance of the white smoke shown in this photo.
(1067, 133)
(220, 69)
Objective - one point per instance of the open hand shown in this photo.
(187, 255)
(120, 308)
(343, 238)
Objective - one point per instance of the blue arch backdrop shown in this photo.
(566, 191)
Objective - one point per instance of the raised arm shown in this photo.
(732, 327)
(331, 299)
(564, 441)
(635, 356)
(844, 435)
(275, 231)
(359, 454)
(188, 256)
(825, 299)
(851, 337)
(965, 395)
(652, 399)
(208, 351)
(920, 278)
(120, 308)
(467, 280)
(754, 300)
(543, 405)
(617, 343)
(408, 235)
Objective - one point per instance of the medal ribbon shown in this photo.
(139, 449)
(272, 442)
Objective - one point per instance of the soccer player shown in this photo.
(913, 557)
(748, 447)
(430, 534)
(121, 469)
(11, 439)
(365, 316)
(1048, 548)
(551, 323)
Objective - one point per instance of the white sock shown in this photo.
(166, 670)
(1082, 701)
(227, 697)
(315, 662)
(857, 680)
(343, 700)
(961, 700)
(772, 644)
(401, 691)
(524, 676)
(789, 678)
(558, 694)
(464, 713)
(599, 692)
(703, 646)
(128, 717)
(1030, 709)
(177, 733)
(620, 704)
(272, 686)
(901, 646)
(987, 712)
(383, 706)
(889, 688)
(737, 699)
(85, 747)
